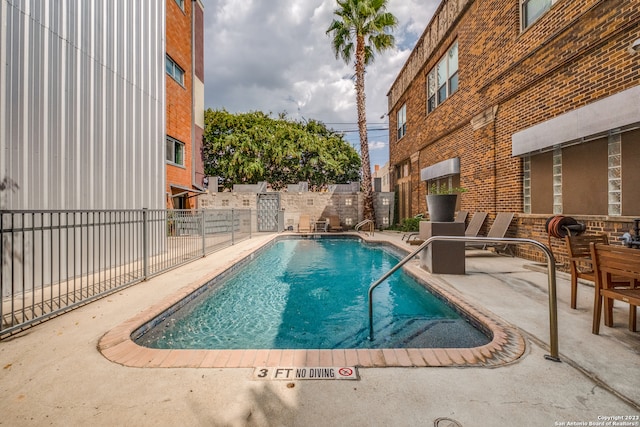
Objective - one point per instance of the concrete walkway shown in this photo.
(52, 374)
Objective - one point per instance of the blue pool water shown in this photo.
(312, 293)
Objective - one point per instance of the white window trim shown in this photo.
(402, 122)
(172, 152)
(523, 4)
(174, 67)
(433, 75)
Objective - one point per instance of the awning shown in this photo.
(440, 170)
(610, 115)
(180, 190)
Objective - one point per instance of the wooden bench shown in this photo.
(579, 253)
(618, 262)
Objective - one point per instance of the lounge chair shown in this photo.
(334, 223)
(304, 224)
(580, 264)
(461, 216)
(475, 224)
(498, 230)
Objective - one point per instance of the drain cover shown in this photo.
(446, 422)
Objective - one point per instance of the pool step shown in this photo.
(417, 332)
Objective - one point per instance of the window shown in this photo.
(442, 80)
(180, 4)
(531, 10)
(175, 151)
(402, 121)
(174, 70)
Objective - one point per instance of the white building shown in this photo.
(82, 104)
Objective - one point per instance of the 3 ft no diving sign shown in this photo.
(306, 373)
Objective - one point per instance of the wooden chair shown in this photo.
(304, 224)
(334, 223)
(621, 263)
(579, 252)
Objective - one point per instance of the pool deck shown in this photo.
(62, 372)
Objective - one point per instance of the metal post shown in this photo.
(145, 238)
(233, 227)
(202, 231)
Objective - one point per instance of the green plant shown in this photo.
(445, 189)
(410, 224)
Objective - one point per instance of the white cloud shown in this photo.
(378, 145)
(275, 56)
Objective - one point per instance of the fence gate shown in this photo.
(268, 207)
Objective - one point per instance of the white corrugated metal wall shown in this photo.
(82, 104)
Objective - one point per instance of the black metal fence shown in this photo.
(53, 261)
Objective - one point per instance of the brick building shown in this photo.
(184, 102)
(532, 105)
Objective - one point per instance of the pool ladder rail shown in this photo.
(551, 273)
(362, 223)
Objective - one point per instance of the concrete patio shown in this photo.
(53, 374)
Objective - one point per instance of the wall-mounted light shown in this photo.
(635, 47)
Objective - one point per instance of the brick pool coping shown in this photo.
(507, 344)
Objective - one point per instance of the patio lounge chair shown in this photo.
(579, 253)
(334, 223)
(461, 216)
(498, 230)
(304, 224)
(475, 224)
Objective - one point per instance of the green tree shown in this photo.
(361, 29)
(252, 147)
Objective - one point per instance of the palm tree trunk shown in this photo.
(369, 212)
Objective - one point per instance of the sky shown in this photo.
(275, 56)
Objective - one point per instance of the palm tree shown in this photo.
(367, 24)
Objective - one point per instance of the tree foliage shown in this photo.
(251, 147)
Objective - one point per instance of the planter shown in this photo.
(442, 207)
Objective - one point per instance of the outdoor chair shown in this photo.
(334, 223)
(461, 216)
(475, 224)
(579, 253)
(498, 230)
(304, 224)
(617, 276)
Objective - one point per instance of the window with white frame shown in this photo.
(180, 4)
(402, 121)
(174, 70)
(442, 80)
(531, 10)
(175, 151)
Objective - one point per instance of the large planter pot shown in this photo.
(442, 207)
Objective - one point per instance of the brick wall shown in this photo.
(179, 101)
(508, 81)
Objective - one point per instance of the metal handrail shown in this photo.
(551, 266)
(363, 223)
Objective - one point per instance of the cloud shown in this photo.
(378, 145)
(276, 57)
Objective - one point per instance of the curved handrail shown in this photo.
(363, 223)
(551, 267)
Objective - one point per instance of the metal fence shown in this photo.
(53, 261)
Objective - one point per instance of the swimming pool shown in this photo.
(312, 293)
